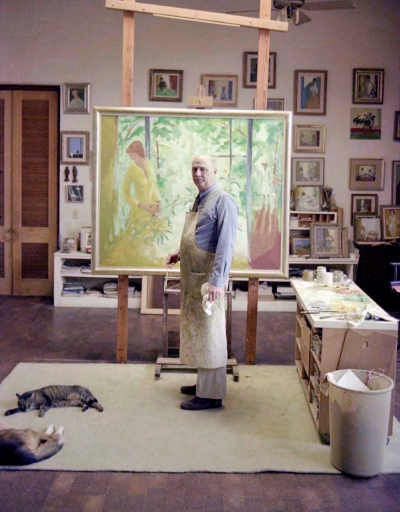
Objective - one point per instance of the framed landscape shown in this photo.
(134, 240)
(308, 171)
(366, 173)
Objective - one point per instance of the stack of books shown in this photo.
(110, 289)
(73, 289)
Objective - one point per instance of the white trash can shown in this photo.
(359, 422)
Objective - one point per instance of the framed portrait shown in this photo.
(133, 240)
(308, 198)
(309, 138)
(75, 193)
(250, 64)
(300, 246)
(223, 89)
(396, 131)
(396, 182)
(365, 123)
(76, 98)
(368, 86)
(390, 221)
(365, 204)
(75, 148)
(366, 174)
(166, 85)
(275, 104)
(325, 240)
(310, 92)
(367, 228)
(308, 171)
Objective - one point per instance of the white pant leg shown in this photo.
(211, 383)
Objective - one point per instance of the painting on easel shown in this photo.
(143, 185)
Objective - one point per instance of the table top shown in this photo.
(339, 306)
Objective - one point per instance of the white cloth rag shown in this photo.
(207, 305)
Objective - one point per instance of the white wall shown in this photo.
(56, 42)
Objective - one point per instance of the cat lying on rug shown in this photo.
(55, 396)
(21, 446)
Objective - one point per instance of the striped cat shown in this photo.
(55, 396)
(21, 446)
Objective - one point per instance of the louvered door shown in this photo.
(33, 167)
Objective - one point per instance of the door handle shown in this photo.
(15, 238)
(8, 235)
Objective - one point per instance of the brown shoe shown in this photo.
(200, 404)
(189, 390)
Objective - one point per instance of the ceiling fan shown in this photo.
(292, 10)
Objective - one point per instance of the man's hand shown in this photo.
(172, 258)
(214, 292)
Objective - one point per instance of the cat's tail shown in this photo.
(44, 451)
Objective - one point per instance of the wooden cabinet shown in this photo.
(326, 342)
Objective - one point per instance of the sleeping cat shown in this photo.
(55, 396)
(21, 446)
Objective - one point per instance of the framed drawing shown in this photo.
(325, 240)
(396, 182)
(166, 85)
(76, 98)
(75, 193)
(366, 204)
(75, 148)
(366, 174)
(300, 246)
(308, 171)
(390, 222)
(310, 92)
(132, 240)
(275, 104)
(309, 139)
(250, 64)
(365, 123)
(367, 228)
(368, 86)
(308, 198)
(223, 88)
(396, 130)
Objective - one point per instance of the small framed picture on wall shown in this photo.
(250, 66)
(368, 86)
(166, 85)
(75, 148)
(310, 92)
(366, 204)
(76, 98)
(75, 193)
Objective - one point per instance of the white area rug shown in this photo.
(265, 424)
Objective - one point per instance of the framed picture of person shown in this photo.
(368, 86)
(325, 240)
(367, 228)
(396, 130)
(76, 98)
(223, 89)
(75, 148)
(390, 222)
(396, 182)
(310, 92)
(308, 198)
(366, 174)
(366, 204)
(166, 85)
(250, 65)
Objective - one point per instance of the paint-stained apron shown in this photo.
(202, 337)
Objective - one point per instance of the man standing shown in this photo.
(205, 254)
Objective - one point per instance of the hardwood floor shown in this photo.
(31, 329)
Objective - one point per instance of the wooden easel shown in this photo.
(264, 24)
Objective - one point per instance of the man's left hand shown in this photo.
(214, 292)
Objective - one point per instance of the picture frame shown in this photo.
(135, 242)
(310, 89)
(368, 86)
(75, 147)
(166, 85)
(390, 221)
(300, 246)
(250, 65)
(76, 98)
(367, 228)
(396, 129)
(308, 171)
(367, 173)
(396, 182)
(85, 239)
(365, 123)
(365, 204)
(74, 193)
(223, 89)
(345, 242)
(275, 104)
(308, 198)
(325, 240)
(309, 139)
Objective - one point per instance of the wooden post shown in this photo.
(128, 36)
(261, 104)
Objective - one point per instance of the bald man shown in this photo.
(205, 254)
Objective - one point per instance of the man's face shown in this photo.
(203, 173)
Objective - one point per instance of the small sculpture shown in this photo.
(66, 174)
(74, 174)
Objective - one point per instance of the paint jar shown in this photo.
(308, 275)
(328, 278)
(321, 271)
(338, 277)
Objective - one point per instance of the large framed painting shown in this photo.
(141, 194)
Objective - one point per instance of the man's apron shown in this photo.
(202, 337)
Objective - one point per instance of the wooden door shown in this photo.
(34, 203)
